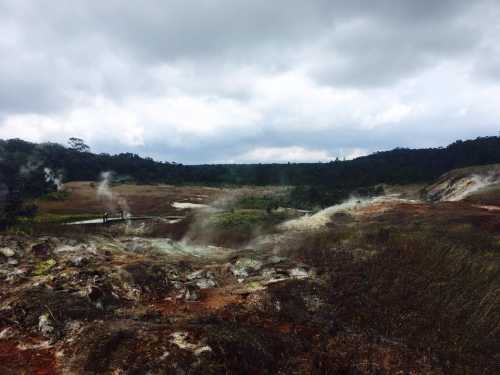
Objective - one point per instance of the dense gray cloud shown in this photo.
(243, 81)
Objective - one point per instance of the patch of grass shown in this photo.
(434, 287)
(236, 227)
(247, 218)
(52, 224)
(243, 217)
(260, 202)
(316, 197)
(56, 196)
(326, 250)
(248, 349)
(62, 218)
(304, 197)
(53, 229)
(431, 289)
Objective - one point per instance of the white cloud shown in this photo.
(203, 82)
(284, 154)
(31, 127)
(392, 114)
(296, 154)
(178, 120)
(353, 153)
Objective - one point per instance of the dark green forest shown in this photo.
(23, 169)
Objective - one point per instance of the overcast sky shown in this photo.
(249, 80)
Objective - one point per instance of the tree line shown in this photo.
(23, 168)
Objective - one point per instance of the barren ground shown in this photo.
(388, 286)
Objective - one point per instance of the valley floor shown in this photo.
(380, 286)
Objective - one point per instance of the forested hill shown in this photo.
(25, 162)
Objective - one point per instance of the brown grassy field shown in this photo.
(142, 199)
(425, 274)
(82, 198)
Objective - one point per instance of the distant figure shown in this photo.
(105, 217)
(122, 214)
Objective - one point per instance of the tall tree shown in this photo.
(78, 144)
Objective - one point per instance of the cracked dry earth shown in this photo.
(154, 306)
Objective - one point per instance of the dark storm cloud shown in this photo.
(213, 80)
(376, 52)
(239, 32)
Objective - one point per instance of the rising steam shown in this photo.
(468, 186)
(104, 189)
(110, 199)
(354, 206)
(456, 189)
(52, 177)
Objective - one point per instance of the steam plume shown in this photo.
(103, 190)
(353, 206)
(52, 177)
(467, 186)
(111, 200)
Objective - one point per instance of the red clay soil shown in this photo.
(14, 360)
(210, 300)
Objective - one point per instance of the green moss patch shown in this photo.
(44, 267)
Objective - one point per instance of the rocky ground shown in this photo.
(145, 305)
(377, 286)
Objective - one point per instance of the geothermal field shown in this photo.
(202, 280)
(250, 187)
